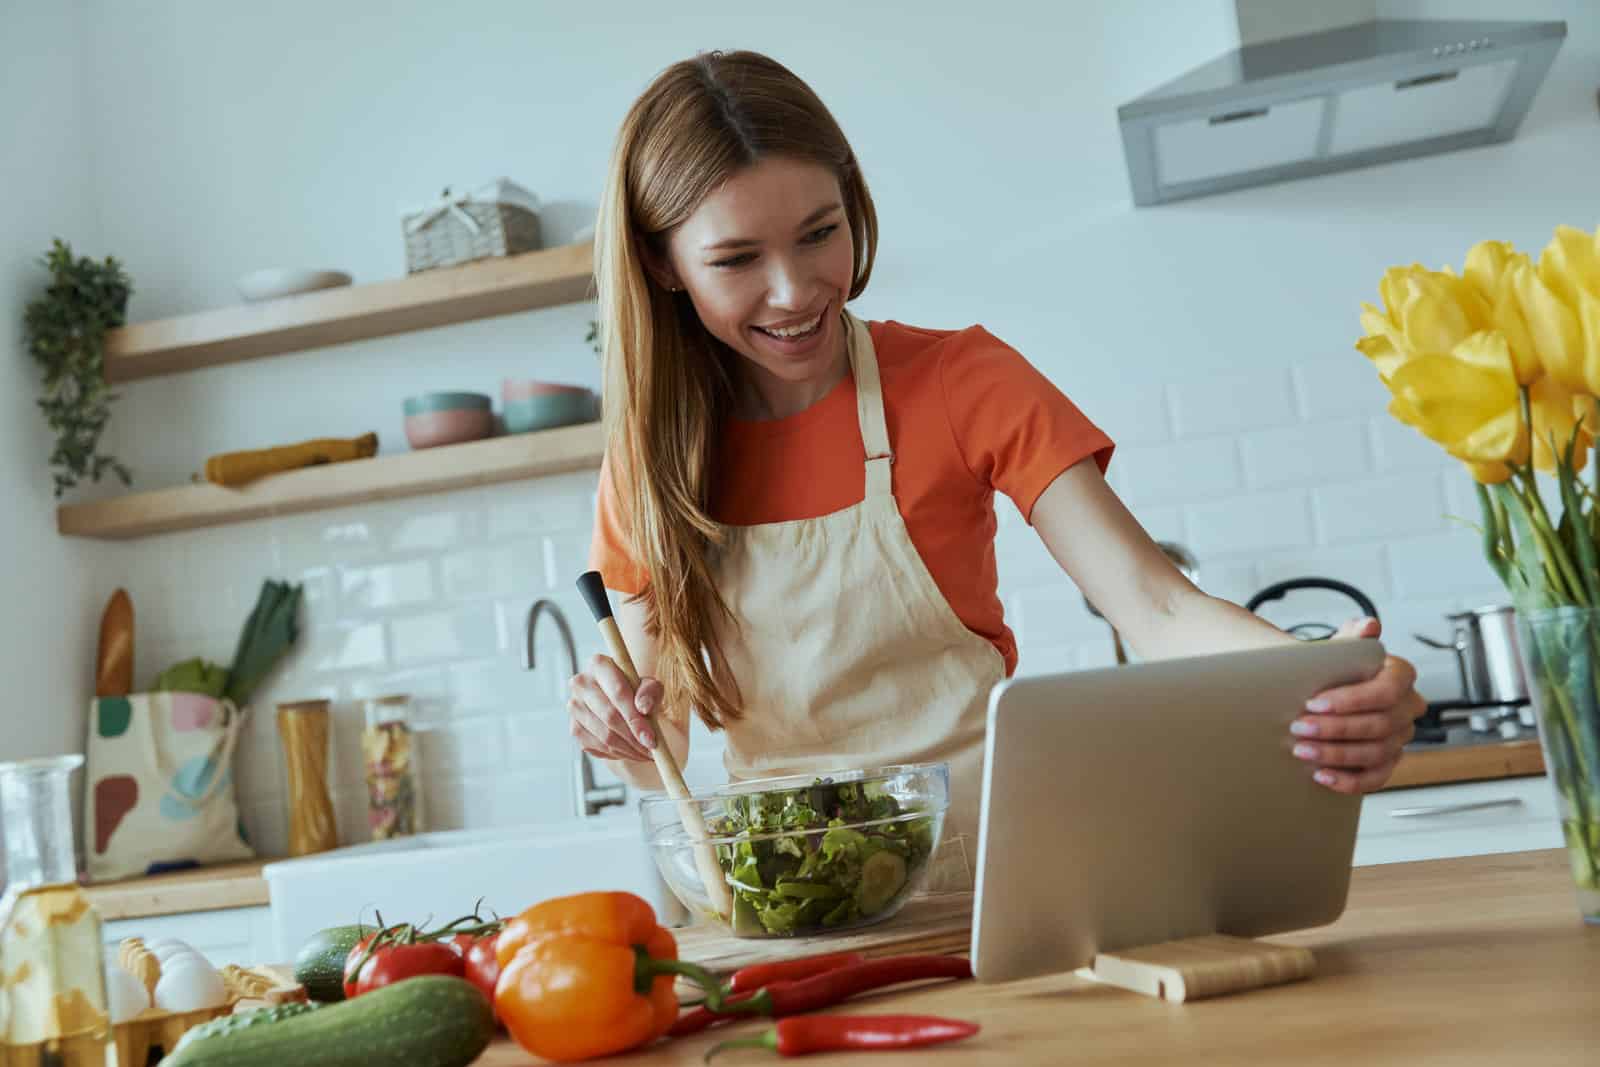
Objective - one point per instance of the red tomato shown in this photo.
(393, 963)
(482, 968)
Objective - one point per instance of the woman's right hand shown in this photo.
(609, 715)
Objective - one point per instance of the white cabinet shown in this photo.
(229, 935)
(1462, 819)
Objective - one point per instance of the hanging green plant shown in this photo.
(65, 330)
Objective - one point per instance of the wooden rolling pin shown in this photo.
(593, 589)
(241, 468)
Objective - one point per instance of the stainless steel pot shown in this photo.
(1485, 643)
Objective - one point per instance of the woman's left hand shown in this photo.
(1354, 734)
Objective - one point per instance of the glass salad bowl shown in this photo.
(804, 855)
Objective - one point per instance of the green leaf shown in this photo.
(1533, 588)
(269, 632)
(1572, 520)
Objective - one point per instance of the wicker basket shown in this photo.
(497, 219)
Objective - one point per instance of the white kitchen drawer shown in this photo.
(228, 935)
(1462, 819)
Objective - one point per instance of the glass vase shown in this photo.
(1560, 650)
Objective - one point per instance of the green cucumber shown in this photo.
(435, 1020)
(320, 965)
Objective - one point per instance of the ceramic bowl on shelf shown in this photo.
(523, 388)
(286, 281)
(433, 419)
(545, 411)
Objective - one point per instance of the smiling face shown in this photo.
(767, 260)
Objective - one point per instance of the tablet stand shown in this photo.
(1197, 967)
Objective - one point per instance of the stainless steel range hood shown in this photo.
(1373, 92)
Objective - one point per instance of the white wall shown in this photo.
(48, 608)
(1213, 339)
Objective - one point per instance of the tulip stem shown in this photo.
(1565, 579)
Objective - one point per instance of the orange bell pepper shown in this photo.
(589, 975)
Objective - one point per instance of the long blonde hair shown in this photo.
(668, 383)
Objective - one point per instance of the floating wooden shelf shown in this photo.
(433, 470)
(477, 290)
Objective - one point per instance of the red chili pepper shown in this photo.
(804, 1034)
(759, 974)
(825, 989)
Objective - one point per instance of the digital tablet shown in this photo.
(1133, 805)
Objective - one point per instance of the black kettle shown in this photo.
(1313, 631)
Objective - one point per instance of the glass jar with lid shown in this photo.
(389, 753)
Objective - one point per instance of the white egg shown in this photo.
(189, 983)
(164, 947)
(126, 996)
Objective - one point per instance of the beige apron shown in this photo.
(847, 654)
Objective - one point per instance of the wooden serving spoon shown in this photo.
(593, 589)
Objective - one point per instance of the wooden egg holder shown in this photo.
(136, 1037)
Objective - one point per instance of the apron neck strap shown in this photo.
(869, 406)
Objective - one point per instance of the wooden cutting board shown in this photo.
(927, 924)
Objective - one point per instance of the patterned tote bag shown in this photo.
(160, 791)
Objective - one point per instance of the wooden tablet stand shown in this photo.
(1197, 967)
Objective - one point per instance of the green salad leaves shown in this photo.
(807, 864)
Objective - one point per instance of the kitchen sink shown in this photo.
(436, 877)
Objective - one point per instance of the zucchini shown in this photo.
(435, 1020)
(320, 965)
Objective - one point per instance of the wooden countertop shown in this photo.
(1466, 763)
(240, 885)
(228, 885)
(1476, 961)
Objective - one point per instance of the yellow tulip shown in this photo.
(1569, 267)
(1570, 263)
(1465, 399)
(1556, 335)
(1486, 264)
(1556, 412)
(1489, 473)
(1423, 311)
(1456, 351)
(1490, 269)
(1439, 311)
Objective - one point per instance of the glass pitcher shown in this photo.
(53, 999)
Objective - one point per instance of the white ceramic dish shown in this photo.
(286, 281)
(444, 873)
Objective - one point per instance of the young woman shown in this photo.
(797, 507)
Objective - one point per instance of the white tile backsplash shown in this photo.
(1380, 508)
(1263, 477)
(462, 633)
(1188, 470)
(1229, 403)
(386, 585)
(1250, 524)
(1339, 385)
(1283, 457)
(1400, 448)
(1445, 564)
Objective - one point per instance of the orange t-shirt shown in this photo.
(967, 415)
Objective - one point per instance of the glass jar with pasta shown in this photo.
(389, 751)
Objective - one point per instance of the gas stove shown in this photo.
(1452, 723)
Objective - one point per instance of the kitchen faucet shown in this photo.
(588, 799)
